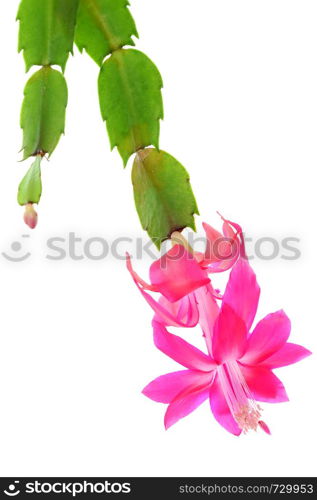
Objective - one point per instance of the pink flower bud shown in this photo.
(30, 216)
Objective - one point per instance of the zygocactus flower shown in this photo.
(181, 277)
(236, 373)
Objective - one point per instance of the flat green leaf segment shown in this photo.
(163, 196)
(43, 111)
(104, 26)
(30, 188)
(46, 33)
(131, 101)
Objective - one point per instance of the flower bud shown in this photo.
(30, 216)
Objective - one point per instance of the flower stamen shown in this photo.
(243, 407)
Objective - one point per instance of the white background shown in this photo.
(240, 94)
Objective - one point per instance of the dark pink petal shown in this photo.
(264, 385)
(183, 405)
(242, 292)
(230, 335)
(220, 409)
(287, 355)
(164, 312)
(177, 274)
(269, 335)
(167, 387)
(181, 351)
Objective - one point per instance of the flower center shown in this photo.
(242, 405)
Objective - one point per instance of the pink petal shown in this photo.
(287, 355)
(269, 335)
(164, 311)
(239, 236)
(214, 239)
(181, 351)
(165, 315)
(242, 292)
(199, 256)
(212, 234)
(230, 335)
(167, 387)
(183, 405)
(220, 409)
(137, 279)
(221, 251)
(177, 273)
(228, 230)
(208, 312)
(184, 311)
(264, 385)
(219, 266)
(264, 427)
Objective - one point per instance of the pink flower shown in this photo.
(237, 371)
(181, 277)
